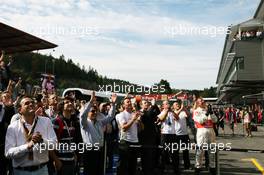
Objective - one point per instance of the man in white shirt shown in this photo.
(128, 127)
(28, 140)
(168, 137)
(182, 131)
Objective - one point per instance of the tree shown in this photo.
(164, 84)
(211, 92)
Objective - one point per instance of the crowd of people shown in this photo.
(33, 123)
(249, 116)
(102, 127)
(247, 35)
(47, 134)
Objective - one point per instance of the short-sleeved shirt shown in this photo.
(181, 124)
(168, 125)
(130, 135)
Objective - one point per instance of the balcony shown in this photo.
(252, 30)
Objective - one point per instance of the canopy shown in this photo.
(13, 40)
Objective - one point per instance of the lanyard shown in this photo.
(68, 130)
(29, 134)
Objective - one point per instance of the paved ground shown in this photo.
(240, 163)
(236, 162)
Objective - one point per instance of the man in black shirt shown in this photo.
(7, 110)
(149, 136)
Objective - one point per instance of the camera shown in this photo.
(209, 110)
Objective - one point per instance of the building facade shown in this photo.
(241, 71)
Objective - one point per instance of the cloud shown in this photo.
(133, 40)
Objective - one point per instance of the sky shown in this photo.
(141, 41)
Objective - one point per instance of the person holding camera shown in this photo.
(205, 136)
(28, 139)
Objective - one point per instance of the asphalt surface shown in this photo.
(238, 161)
(246, 156)
(242, 163)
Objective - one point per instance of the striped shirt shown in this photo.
(67, 134)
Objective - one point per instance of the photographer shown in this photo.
(23, 140)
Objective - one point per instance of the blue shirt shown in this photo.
(93, 131)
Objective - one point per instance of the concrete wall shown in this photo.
(253, 59)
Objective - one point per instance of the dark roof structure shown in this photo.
(13, 40)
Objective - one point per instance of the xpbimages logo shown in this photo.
(212, 147)
(66, 147)
(128, 88)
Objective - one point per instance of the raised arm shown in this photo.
(10, 86)
(11, 60)
(125, 125)
(2, 56)
(111, 113)
(175, 115)
(163, 115)
(83, 114)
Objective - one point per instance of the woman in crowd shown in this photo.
(247, 116)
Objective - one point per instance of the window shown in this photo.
(240, 63)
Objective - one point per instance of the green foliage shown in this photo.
(166, 85)
(211, 92)
(30, 66)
